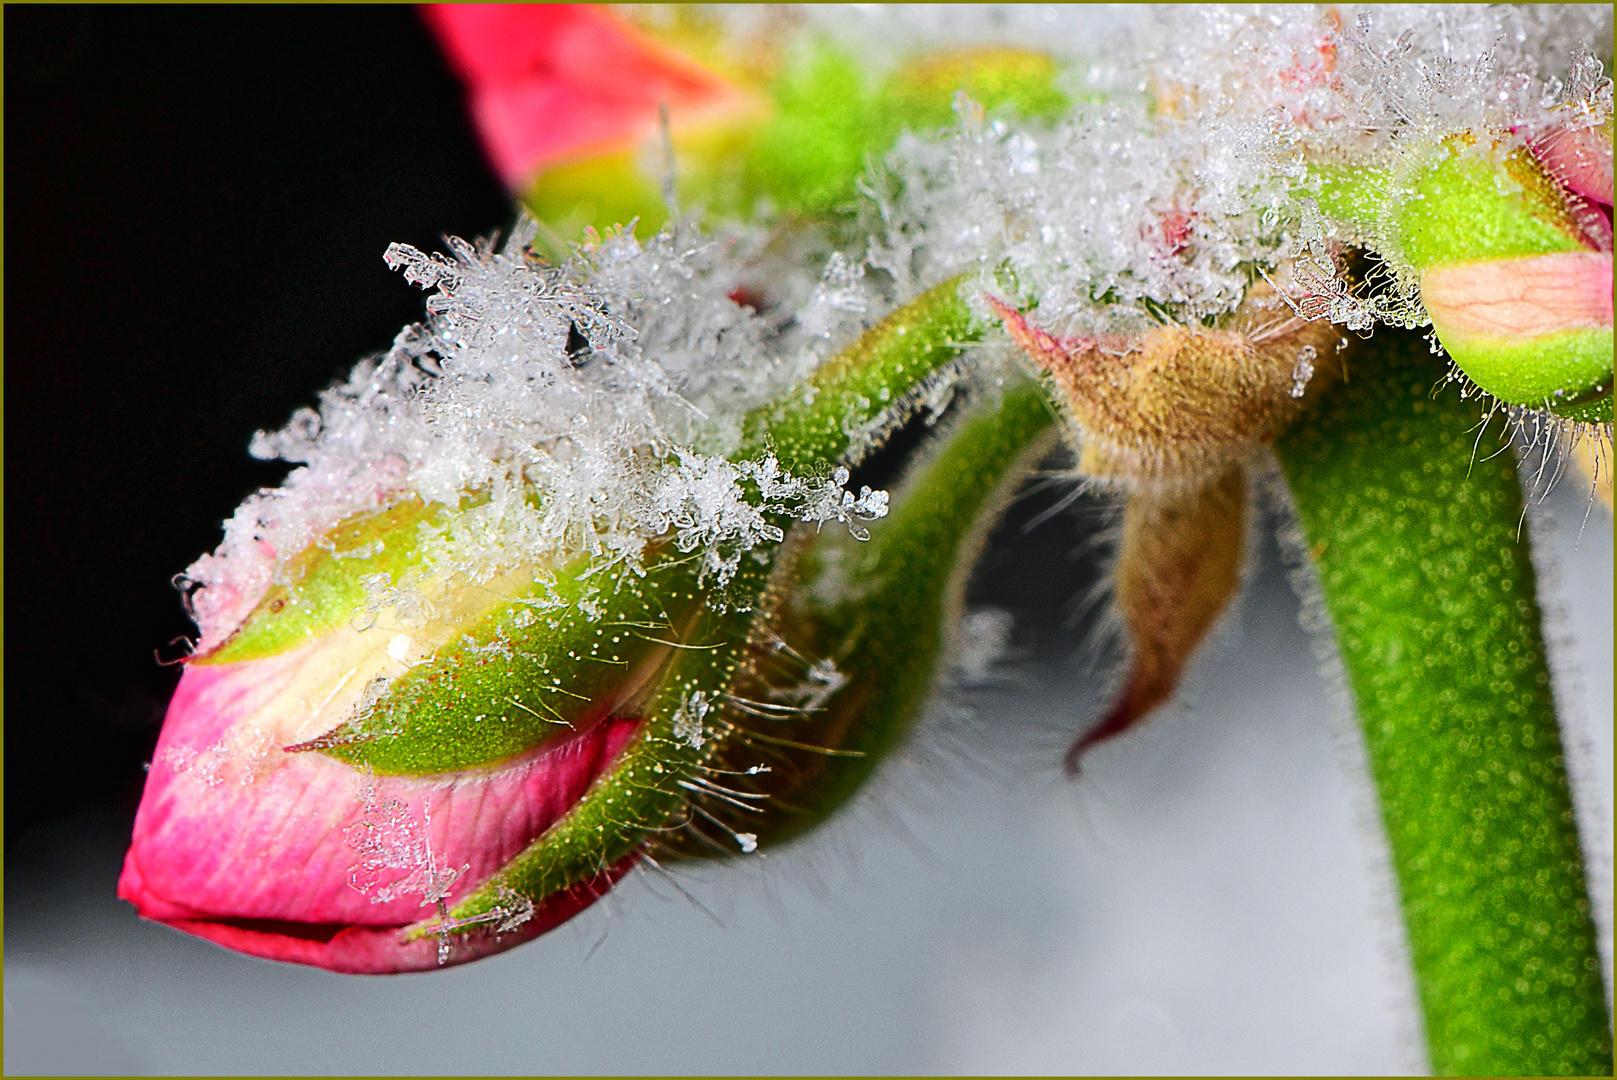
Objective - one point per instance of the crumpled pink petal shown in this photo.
(553, 81)
(1580, 160)
(249, 846)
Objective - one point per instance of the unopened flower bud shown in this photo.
(1515, 268)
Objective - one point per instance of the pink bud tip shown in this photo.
(300, 857)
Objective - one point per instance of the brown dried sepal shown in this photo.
(1177, 405)
(1180, 563)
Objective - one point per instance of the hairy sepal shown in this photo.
(1178, 567)
(843, 411)
(1178, 405)
(860, 631)
(323, 587)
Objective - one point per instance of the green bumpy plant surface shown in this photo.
(1417, 542)
(885, 619)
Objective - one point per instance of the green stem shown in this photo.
(882, 610)
(834, 416)
(837, 414)
(1414, 526)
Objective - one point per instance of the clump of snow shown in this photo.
(559, 412)
(1186, 170)
(590, 409)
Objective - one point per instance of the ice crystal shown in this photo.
(688, 719)
(582, 410)
(592, 408)
(1184, 168)
(395, 851)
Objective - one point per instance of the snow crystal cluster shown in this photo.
(1184, 166)
(560, 412)
(589, 408)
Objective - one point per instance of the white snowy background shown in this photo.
(1203, 900)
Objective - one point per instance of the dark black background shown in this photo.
(196, 205)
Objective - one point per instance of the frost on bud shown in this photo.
(354, 752)
(451, 719)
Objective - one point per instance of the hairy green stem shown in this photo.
(1414, 524)
(883, 610)
(833, 417)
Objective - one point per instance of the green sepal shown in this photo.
(1467, 207)
(557, 657)
(326, 582)
(846, 406)
(1415, 534)
(1568, 373)
(642, 793)
(881, 612)
(1449, 203)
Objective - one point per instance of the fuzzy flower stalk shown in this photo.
(582, 572)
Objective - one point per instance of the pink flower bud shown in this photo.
(301, 857)
(554, 81)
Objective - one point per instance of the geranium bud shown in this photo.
(1515, 268)
(1178, 567)
(858, 633)
(1533, 330)
(423, 743)
(1578, 157)
(435, 728)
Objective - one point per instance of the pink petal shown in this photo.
(549, 81)
(1580, 159)
(1518, 298)
(233, 828)
(364, 950)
